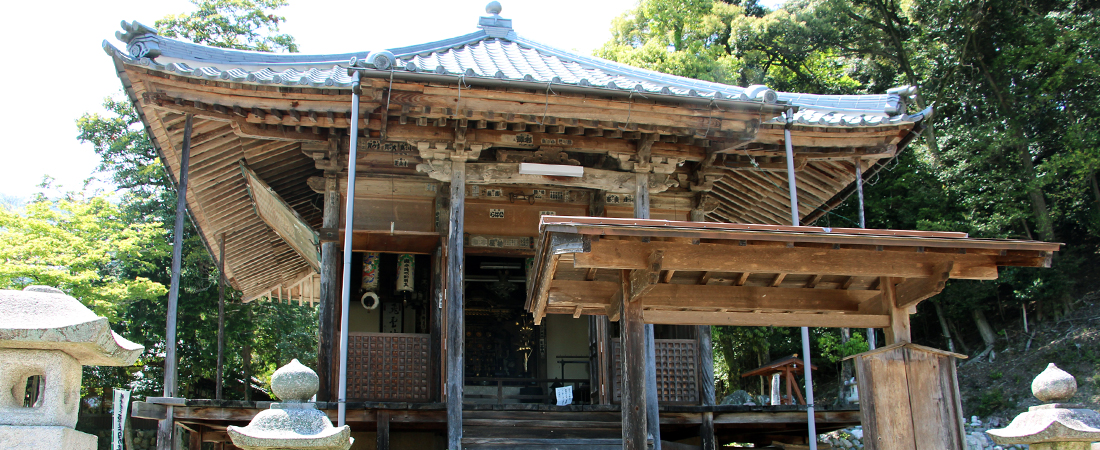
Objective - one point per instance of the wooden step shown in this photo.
(543, 444)
(511, 432)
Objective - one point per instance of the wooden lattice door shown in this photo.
(677, 370)
(388, 367)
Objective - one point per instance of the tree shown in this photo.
(237, 24)
(148, 198)
(79, 245)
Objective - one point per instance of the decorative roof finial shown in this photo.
(493, 24)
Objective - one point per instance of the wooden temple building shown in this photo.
(522, 215)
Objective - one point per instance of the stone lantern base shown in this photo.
(46, 438)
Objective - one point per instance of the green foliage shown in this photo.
(237, 24)
(833, 349)
(1013, 150)
(276, 333)
(81, 246)
(990, 402)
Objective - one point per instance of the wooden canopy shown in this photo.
(693, 273)
(784, 364)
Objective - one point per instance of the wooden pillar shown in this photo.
(167, 427)
(383, 441)
(330, 288)
(653, 415)
(221, 318)
(434, 328)
(705, 348)
(194, 439)
(898, 331)
(600, 324)
(456, 343)
(706, 388)
(632, 342)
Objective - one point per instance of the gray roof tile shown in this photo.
(493, 52)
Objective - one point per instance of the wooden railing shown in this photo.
(580, 389)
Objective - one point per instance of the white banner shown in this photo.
(118, 422)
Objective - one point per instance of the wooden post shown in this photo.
(898, 331)
(706, 381)
(221, 318)
(434, 328)
(194, 439)
(602, 326)
(632, 341)
(326, 305)
(167, 427)
(653, 414)
(383, 438)
(456, 370)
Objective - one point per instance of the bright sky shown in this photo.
(52, 41)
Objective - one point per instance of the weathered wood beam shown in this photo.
(382, 438)
(632, 335)
(599, 294)
(897, 330)
(508, 173)
(329, 292)
(166, 428)
(915, 290)
(455, 306)
(765, 319)
(240, 126)
(614, 306)
(706, 385)
(643, 280)
(623, 254)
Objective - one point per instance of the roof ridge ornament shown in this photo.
(494, 25)
(141, 40)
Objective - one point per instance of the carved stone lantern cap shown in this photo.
(295, 423)
(1052, 422)
(44, 318)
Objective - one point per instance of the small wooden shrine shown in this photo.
(490, 231)
(785, 368)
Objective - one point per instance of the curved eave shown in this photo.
(507, 63)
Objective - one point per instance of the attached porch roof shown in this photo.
(694, 273)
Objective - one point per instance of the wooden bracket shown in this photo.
(915, 290)
(614, 307)
(643, 280)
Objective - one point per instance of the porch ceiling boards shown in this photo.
(701, 273)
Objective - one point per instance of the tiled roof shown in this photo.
(494, 54)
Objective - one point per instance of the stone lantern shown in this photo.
(45, 338)
(295, 423)
(1052, 426)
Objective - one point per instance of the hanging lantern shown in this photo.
(405, 273)
(370, 271)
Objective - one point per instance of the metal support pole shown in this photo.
(863, 224)
(810, 423)
(166, 427)
(349, 227)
